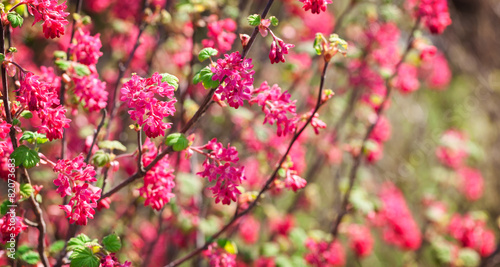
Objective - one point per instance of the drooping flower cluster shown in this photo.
(472, 233)
(141, 96)
(41, 97)
(86, 48)
(322, 253)
(361, 240)
(218, 257)
(220, 34)
(278, 47)
(91, 92)
(396, 221)
(219, 167)
(159, 181)
(316, 6)
(434, 14)
(293, 181)
(52, 14)
(74, 179)
(277, 107)
(111, 261)
(10, 227)
(236, 77)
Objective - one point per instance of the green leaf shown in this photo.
(170, 79)
(83, 257)
(469, 257)
(62, 64)
(254, 20)
(206, 53)
(101, 158)
(15, 19)
(205, 76)
(228, 245)
(177, 141)
(26, 114)
(57, 246)
(77, 242)
(31, 257)
(274, 20)
(4, 207)
(26, 190)
(112, 243)
(2, 57)
(112, 145)
(317, 43)
(12, 49)
(32, 137)
(25, 156)
(59, 54)
(81, 70)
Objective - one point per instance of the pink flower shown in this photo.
(452, 151)
(218, 257)
(53, 122)
(396, 221)
(249, 230)
(437, 72)
(10, 227)
(293, 181)
(36, 94)
(73, 180)
(86, 48)
(322, 253)
(237, 75)
(361, 240)
(52, 14)
(406, 81)
(219, 168)
(4, 129)
(98, 5)
(111, 261)
(472, 233)
(278, 50)
(144, 107)
(282, 225)
(91, 92)
(434, 14)
(221, 34)
(472, 183)
(316, 123)
(382, 130)
(277, 107)
(159, 181)
(316, 6)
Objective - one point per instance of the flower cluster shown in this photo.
(41, 96)
(361, 240)
(471, 183)
(11, 226)
(85, 48)
(316, 6)
(73, 179)
(293, 181)
(219, 168)
(218, 257)
(236, 76)
(111, 261)
(4, 133)
(434, 14)
(406, 80)
(278, 47)
(277, 107)
(144, 106)
(322, 253)
(380, 134)
(249, 230)
(52, 14)
(91, 92)
(472, 233)
(396, 221)
(220, 34)
(159, 181)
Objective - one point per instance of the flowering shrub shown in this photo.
(258, 133)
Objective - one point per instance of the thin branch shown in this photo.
(96, 133)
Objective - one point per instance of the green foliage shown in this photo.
(274, 21)
(170, 79)
(228, 245)
(15, 19)
(34, 137)
(4, 207)
(31, 257)
(177, 141)
(111, 145)
(112, 243)
(26, 190)
(25, 156)
(101, 158)
(83, 257)
(57, 246)
(205, 76)
(206, 53)
(254, 20)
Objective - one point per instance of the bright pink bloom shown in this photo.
(316, 6)
(237, 75)
(97, 5)
(159, 181)
(361, 240)
(144, 106)
(277, 107)
(36, 94)
(397, 223)
(53, 122)
(52, 14)
(218, 257)
(278, 50)
(323, 253)
(382, 130)
(221, 34)
(219, 167)
(293, 181)
(406, 81)
(71, 171)
(111, 261)
(282, 225)
(91, 92)
(472, 183)
(86, 48)
(4, 129)
(452, 151)
(374, 151)
(11, 225)
(437, 72)
(316, 123)
(249, 230)
(434, 14)
(265, 262)
(472, 233)
(81, 206)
